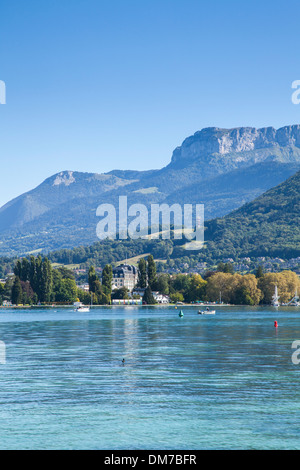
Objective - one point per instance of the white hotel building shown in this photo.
(125, 275)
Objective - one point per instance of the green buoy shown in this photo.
(181, 313)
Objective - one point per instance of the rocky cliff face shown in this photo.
(221, 168)
(213, 140)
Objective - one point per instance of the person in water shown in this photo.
(123, 361)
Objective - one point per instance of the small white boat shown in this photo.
(79, 307)
(295, 302)
(275, 298)
(206, 312)
(82, 309)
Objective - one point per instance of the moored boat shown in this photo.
(79, 307)
(295, 302)
(275, 298)
(206, 312)
(82, 309)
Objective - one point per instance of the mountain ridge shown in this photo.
(268, 226)
(212, 140)
(61, 211)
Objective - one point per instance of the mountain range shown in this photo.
(267, 226)
(222, 168)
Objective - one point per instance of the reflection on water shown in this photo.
(222, 382)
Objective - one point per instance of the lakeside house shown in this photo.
(158, 297)
(161, 298)
(125, 275)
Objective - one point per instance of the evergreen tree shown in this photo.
(142, 274)
(8, 288)
(92, 278)
(32, 275)
(18, 269)
(16, 292)
(46, 281)
(107, 277)
(35, 275)
(220, 267)
(259, 272)
(225, 268)
(25, 270)
(151, 271)
(148, 296)
(56, 284)
(228, 268)
(101, 296)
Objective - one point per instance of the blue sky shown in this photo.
(98, 85)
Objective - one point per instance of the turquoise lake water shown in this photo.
(198, 382)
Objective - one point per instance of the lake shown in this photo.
(199, 382)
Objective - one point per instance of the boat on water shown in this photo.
(295, 302)
(207, 311)
(79, 307)
(82, 309)
(275, 298)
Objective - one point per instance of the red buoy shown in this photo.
(275, 324)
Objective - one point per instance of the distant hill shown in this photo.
(222, 168)
(229, 191)
(267, 226)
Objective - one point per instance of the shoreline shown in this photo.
(93, 307)
(19, 307)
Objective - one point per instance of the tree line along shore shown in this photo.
(36, 282)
